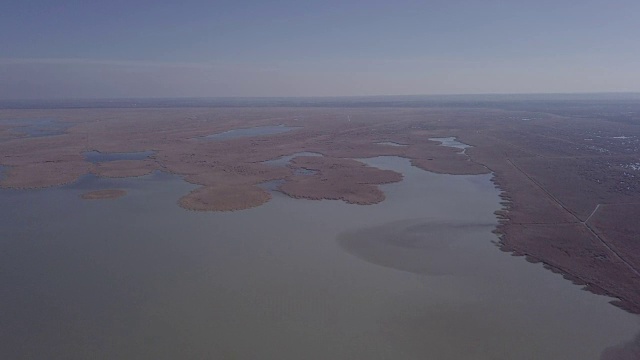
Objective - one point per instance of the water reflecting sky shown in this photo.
(416, 276)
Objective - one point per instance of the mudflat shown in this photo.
(562, 175)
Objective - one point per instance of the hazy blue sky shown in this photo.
(297, 48)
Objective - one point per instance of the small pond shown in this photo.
(451, 142)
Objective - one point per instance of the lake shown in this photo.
(416, 276)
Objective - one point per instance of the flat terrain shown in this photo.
(569, 180)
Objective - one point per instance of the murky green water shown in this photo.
(414, 277)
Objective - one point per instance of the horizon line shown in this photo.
(280, 97)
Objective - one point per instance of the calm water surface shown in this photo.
(451, 142)
(414, 277)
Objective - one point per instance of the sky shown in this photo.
(119, 49)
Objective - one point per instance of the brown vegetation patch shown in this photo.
(581, 184)
(574, 251)
(619, 226)
(124, 168)
(45, 174)
(338, 179)
(224, 198)
(251, 174)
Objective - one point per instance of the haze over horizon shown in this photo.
(90, 49)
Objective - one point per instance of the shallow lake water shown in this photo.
(451, 142)
(414, 277)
